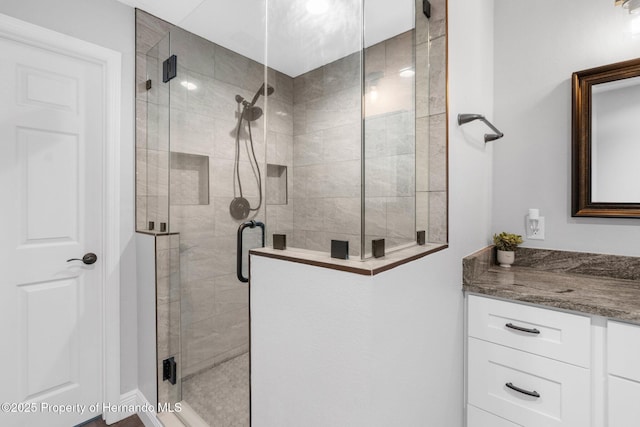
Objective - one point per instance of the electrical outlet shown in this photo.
(534, 234)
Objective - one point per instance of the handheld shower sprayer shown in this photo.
(249, 109)
(240, 207)
(269, 90)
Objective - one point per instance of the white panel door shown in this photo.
(51, 148)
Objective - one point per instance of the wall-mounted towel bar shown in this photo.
(466, 118)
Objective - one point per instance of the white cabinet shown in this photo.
(531, 366)
(624, 402)
(527, 365)
(553, 334)
(479, 418)
(623, 368)
(525, 388)
(623, 350)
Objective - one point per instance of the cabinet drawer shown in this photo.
(624, 396)
(563, 389)
(479, 418)
(560, 336)
(623, 350)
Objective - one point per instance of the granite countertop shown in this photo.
(602, 285)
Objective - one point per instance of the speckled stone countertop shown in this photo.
(602, 285)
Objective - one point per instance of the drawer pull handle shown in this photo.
(523, 391)
(520, 328)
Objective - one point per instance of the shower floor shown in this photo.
(220, 395)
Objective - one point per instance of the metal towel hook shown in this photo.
(466, 118)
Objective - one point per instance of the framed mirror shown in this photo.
(606, 141)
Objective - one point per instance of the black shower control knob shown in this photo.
(88, 258)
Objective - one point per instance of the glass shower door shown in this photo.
(217, 170)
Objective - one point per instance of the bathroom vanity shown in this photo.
(552, 343)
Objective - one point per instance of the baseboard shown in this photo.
(132, 402)
(148, 417)
(125, 407)
(188, 417)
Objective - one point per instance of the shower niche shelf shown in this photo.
(276, 184)
(189, 179)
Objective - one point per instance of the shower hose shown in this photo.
(242, 206)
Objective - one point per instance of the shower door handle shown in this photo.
(243, 226)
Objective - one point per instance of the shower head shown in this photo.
(262, 91)
(252, 113)
(249, 110)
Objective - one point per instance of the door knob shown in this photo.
(88, 258)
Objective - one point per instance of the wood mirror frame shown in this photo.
(582, 82)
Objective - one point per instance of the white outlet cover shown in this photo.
(537, 236)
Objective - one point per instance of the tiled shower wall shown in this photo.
(390, 142)
(327, 149)
(326, 156)
(280, 116)
(326, 144)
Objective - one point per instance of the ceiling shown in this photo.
(297, 40)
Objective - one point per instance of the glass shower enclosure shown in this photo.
(314, 136)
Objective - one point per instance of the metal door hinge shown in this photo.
(426, 8)
(169, 68)
(169, 370)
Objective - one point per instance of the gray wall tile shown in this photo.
(422, 154)
(437, 153)
(438, 217)
(437, 77)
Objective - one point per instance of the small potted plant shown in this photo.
(506, 243)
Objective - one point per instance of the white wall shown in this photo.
(537, 47)
(109, 24)
(335, 348)
(311, 346)
(470, 90)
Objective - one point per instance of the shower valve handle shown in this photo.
(88, 258)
